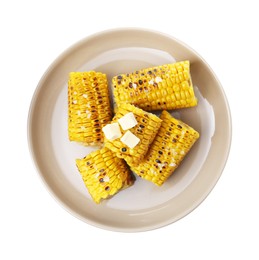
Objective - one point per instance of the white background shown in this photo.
(33, 225)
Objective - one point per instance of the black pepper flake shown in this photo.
(159, 103)
(101, 180)
(179, 126)
(123, 149)
(87, 163)
(107, 188)
(174, 140)
(141, 126)
(155, 84)
(155, 70)
(119, 82)
(140, 82)
(158, 161)
(142, 74)
(137, 72)
(130, 84)
(119, 77)
(160, 152)
(140, 89)
(149, 72)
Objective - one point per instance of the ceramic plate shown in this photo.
(142, 206)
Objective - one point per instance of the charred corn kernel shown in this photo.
(160, 87)
(173, 141)
(146, 129)
(88, 107)
(104, 174)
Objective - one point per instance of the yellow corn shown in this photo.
(173, 141)
(88, 107)
(162, 87)
(104, 174)
(145, 130)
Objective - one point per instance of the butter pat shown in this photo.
(130, 139)
(128, 121)
(112, 131)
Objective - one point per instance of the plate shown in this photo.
(143, 206)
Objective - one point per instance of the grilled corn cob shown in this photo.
(88, 107)
(162, 87)
(172, 143)
(104, 174)
(146, 130)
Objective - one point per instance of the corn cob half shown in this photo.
(88, 107)
(172, 143)
(146, 130)
(162, 87)
(104, 174)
